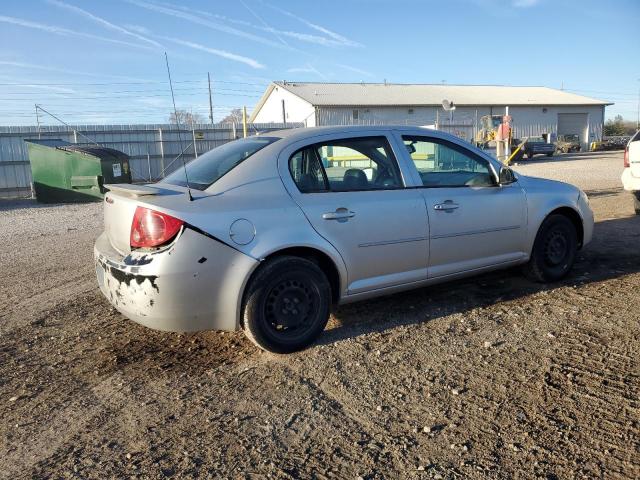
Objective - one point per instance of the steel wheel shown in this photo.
(554, 250)
(287, 304)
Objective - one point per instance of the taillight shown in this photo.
(626, 157)
(152, 229)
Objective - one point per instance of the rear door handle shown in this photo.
(339, 214)
(446, 206)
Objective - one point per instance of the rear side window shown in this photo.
(208, 168)
(346, 165)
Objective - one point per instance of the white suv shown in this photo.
(631, 173)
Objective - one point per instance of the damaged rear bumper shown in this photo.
(194, 284)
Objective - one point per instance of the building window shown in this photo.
(544, 109)
(355, 114)
(410, 111)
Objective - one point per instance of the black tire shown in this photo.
(554, 250)
(636, 202)
(530, 156)
(550, 154)
(287, 305)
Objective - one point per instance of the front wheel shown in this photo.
(554, 250)
(287, 305)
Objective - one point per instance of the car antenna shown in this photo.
(175, 112)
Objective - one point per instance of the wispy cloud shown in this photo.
(214, 51)
(261, 20)
(264, 27)
(355, 70)
(336, 37)
(103, 22)
(65, 71)
(64, 31)
(48, 88)
(304, 37)
(138, 28)
(308, 68)
(190, 17)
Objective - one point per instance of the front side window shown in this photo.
(443, 164)
(346, 165)
(208, 168)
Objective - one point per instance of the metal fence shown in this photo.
(152, 148)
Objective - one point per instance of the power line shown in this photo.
(150, 82)
(119, 110)
(126, 97)
(201, 89)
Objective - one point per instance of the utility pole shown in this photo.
(210, 100)
(37, 119)
(244, 122)
(284, 115)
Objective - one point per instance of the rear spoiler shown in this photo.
(132, 190)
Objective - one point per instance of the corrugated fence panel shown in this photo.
(152, 148)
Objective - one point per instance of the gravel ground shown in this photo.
(491, 377)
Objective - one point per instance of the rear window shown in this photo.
(208, 168)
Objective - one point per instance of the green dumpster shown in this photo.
(67, 172)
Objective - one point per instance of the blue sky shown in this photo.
(91, 61)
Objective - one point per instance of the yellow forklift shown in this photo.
(486, 134)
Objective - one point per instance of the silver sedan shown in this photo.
(268, 233)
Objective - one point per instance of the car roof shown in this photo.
(301, 133)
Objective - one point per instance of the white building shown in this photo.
(534, 110)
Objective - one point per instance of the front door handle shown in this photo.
(446, 206)
(339, 214)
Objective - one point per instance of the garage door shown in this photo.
(574, 124)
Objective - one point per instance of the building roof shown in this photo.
(397, 94)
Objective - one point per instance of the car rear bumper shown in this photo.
(587, 219)
(629, 181)
(194, 284)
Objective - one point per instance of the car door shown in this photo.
(352, 192)
(474, 222)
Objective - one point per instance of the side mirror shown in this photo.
(506, 176)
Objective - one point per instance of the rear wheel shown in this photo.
(554, 250)
(636, 202)
(287, 305)
(550, 154)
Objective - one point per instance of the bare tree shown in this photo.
(185, 118)
(235, 116)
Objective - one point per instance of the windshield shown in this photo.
(536, 140)
(570, 138)
(208, 168)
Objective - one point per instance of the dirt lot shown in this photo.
(492, 377)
